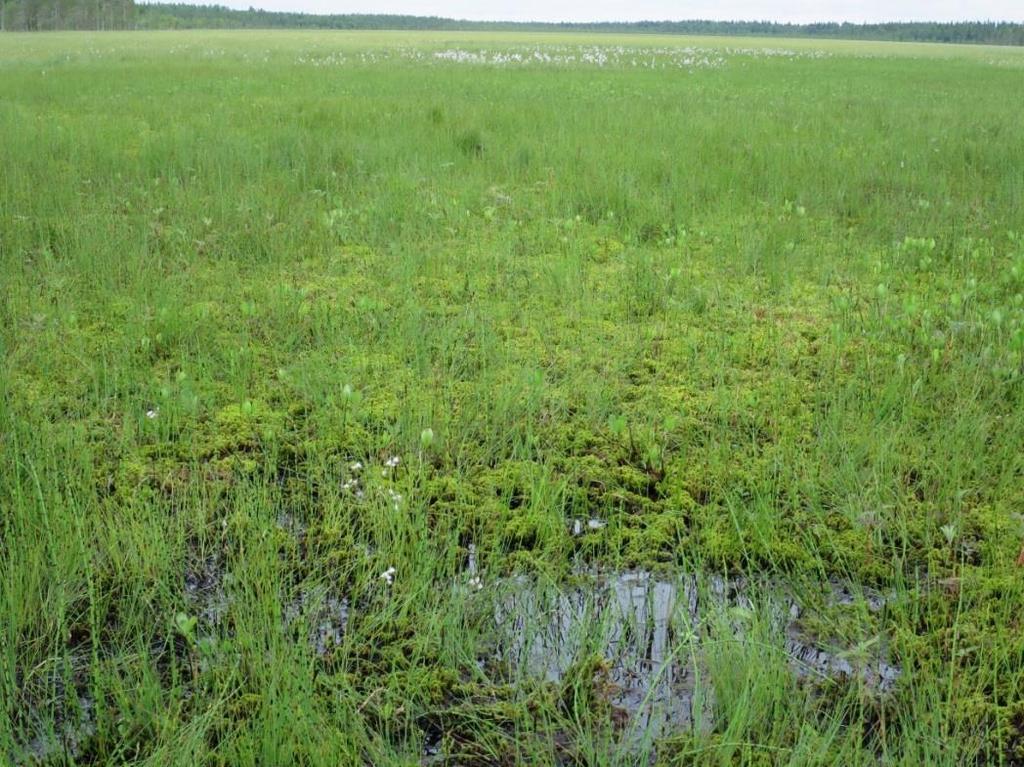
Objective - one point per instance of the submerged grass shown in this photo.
(757, 316)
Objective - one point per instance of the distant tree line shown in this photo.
(38, 15)
(181, 16)
(120, 14)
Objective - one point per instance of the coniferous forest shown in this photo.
(33, 15)
(40, 15)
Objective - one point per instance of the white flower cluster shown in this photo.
(687, 58)
(354, 483)
(396, 499)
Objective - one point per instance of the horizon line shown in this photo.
(690, 20)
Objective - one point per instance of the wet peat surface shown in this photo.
(64, 742)
(652, 633)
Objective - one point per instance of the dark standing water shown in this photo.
(653, 632)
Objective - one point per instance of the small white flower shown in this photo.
(357, 466)
(151, 414)
(392, 462)
(476, 583)
(388, 576)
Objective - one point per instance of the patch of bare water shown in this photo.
(651, 633)
(207, 597)
(205, 592)
(62, 742)
(325, 614)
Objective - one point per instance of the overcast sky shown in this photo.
(622, 10)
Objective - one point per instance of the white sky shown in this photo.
(625, 10)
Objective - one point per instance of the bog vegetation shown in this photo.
(491, 399)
